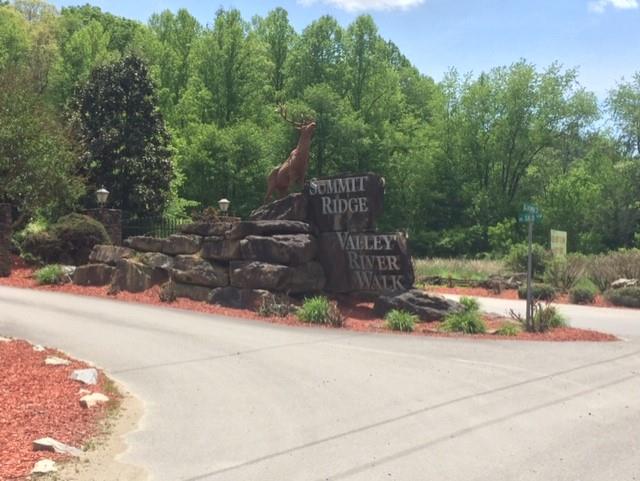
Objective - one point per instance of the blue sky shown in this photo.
(601, 37)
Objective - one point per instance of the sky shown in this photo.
(599, 37)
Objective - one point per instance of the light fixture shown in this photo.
(224, 205)
(102, 195)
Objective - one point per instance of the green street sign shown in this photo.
(526, 217)
(530, 209)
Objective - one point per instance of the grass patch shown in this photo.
(398, 320)
(508, 330)
(468, 321)
(319, 310)
(463, 269)
(50, 275)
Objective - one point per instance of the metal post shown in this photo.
(529, 275)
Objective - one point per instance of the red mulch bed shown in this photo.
(359, 316)
(600, 301)
(39, 401)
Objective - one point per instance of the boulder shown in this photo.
(93, 275)
(144, 243)
(156, 260)
(366, 262)
(172, 290)
(427, 307)
(133, 276)
(108, 254)
(306, 278)
(44, 466)
(291, 207)
(195, 270)
(621, 283)
(179, 244)
(279, 249)
(206, 229)
(93, 399)
(220, 249)
(238, 298)
(267, 227)
(258, 275)
(85, 376)
(345, 202)
(55, 446)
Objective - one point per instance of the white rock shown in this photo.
(5, 339)
(38, 348)
(50, 444)
(44, 466)
(87, 376)
(91, 400)
(56, 361)
(620, 283)
(83, 391)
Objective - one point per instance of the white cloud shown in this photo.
(599, 6)
(358, 5)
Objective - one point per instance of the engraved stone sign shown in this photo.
(345, 202)
(365, 262)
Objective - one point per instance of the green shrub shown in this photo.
(563, 272)
(516, 260)
(546, 317)
(468, 321)
(583, 292)
(539, 292)
(319, 310)
(508, 330)
(78, 234)
(606, 268)
(398, 320)
(625, 296)
(51, 274)
(40, 247)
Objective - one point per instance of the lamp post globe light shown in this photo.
(102, 195)
(224, 205)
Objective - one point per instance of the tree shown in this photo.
(278, 34)
(37, 163)
(14, 38)
(624, 103)
(125, 140)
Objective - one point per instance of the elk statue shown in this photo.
(293, 170)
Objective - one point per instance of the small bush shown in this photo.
(398, 320)
(539, 292)
(546, 317)
(77, 235)
(516, 260)
(319, 310)
(584, 292)
(468, 321)
(606, 268)
(40, 247)
(626, 296)
(51, 274)
(563, 272)
(508, 330)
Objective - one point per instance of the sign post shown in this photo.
(530, 214)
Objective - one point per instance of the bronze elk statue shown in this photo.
(293, 170)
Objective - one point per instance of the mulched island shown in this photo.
(38, 401)
(359, 316)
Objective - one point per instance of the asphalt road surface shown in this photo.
(231, 399)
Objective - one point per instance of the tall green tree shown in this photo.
(624, 103)
(124, 137)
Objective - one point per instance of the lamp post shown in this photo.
(224, 206)
(102, 195)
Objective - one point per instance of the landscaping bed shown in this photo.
(39, 401)
(358, 316)
(512, 294)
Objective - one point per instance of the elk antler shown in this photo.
(282, 110)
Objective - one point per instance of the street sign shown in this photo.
(530, 209)
(526, 217)
(558, 242)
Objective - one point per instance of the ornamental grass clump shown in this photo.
(319, 310)
(468, 321)
(398, 320)
(51, 275)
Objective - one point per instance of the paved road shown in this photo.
(621, 322)
(229, 399)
